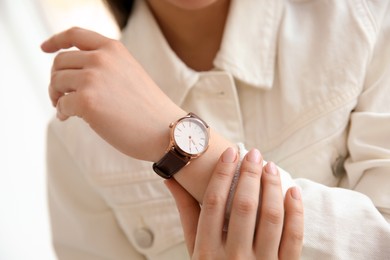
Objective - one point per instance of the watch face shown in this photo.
(191, 136)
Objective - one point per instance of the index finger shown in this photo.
(212, 215)
(74, 37)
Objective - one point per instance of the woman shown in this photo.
(298, 80)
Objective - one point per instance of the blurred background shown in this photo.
(25, 111)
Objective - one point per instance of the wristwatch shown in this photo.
(189, 139)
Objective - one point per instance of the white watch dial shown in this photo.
(191, 136)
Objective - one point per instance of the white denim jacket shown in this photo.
(306, 82)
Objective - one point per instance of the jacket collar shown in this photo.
(248, 57)
(249, 44)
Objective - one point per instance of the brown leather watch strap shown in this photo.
(170, 164)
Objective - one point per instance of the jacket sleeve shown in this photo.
(352, 221)
(368, 166)
(83, 225)
(339, 223)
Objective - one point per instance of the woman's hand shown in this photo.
(103, 84)
(273, 232)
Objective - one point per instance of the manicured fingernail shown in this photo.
(229, 155)
(271, 168)
(296, 193)
(253, 156)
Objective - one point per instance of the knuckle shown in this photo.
(245, 205)
(54, 78)
(295, 235)
(272, 215)
(74, 29)
(213, 201)
(294, 209)
(57, 60)
(297, 212)
(272, 180)
(54, 95)
(114, 44)
(251, 170)
(88, 100)
(223, 173)
(97, 58)
(89, 78)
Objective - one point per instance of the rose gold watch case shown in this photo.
(172, 143)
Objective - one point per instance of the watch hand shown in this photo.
(192, 140)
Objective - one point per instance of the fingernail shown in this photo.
(253, 156)
(271, 168)
(296, 193)
(229, 155)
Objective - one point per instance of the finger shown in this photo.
(54, 95)
(74, 37)
(67, 106)
(189, 210)
(292, 238)
(69, 60)
(242, 221)
(271, 214)
(65, 81)
(212, 215)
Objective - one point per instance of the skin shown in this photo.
(247, 236)
(101, 83)
(186, 26)
(104, 85)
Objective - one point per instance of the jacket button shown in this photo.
(338, 167)
(144, 237)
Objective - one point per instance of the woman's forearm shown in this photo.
(103, 84)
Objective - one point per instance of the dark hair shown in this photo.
(121, 10)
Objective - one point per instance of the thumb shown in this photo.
(189, 211)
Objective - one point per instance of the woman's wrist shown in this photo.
(161, 138)
(195, 176)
